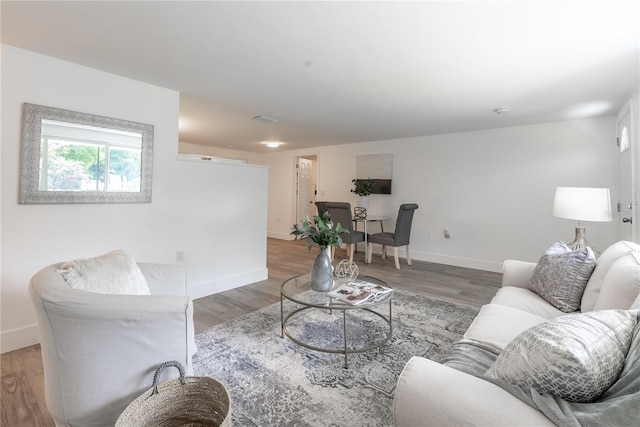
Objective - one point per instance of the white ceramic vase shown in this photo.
(363, 202)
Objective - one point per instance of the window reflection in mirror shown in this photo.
(73, 157)
(77, 157)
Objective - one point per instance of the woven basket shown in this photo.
(185, 401)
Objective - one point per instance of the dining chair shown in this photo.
(400, 237)
(322, 207)
(340, 213)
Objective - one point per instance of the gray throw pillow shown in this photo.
(562, 274)
(576, 357)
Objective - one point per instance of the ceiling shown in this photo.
(345, 72)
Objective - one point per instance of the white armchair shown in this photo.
(100, 351)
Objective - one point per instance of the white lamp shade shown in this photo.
(582, 204)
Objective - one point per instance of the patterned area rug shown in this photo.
(274, 382)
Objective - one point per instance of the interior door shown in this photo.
(303, 187)
(625, 178)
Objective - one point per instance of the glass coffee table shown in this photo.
(298, 291)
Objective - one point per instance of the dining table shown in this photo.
(365, 221)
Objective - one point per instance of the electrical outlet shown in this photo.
(180, 256)
(447, 233)
(429, 235)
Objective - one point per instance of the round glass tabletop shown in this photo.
(298, 289)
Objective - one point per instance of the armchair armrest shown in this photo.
(164, 279)
(431, 394)
(517, 273)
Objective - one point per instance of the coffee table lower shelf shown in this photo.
(344, 308)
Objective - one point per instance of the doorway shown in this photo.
(306, 189)
(627, 218)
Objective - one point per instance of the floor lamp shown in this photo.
(582, 204)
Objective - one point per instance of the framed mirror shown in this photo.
(72, 157)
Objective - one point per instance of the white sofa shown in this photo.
(100, 351)
(432, 394)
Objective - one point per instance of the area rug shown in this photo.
(274, 382)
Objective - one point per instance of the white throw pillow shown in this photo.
(575, 357)
(112, 273)
(562, 274)
(621, 285)
(604, 263)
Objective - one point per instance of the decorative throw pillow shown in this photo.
(112, 273)
(605, 261)
(621, 285)
(576, 357)
(562, 274)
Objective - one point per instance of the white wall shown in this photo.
(216, 213)
(493, 189)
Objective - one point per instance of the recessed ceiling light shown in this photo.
(272, 144)
(502, 110)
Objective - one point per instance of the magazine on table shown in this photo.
(359, 291)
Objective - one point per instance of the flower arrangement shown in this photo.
(362, 187)
(321, 231)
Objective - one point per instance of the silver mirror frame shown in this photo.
(30, 192)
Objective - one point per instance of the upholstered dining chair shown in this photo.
(400, 237)
(340, 213)
(322, 207)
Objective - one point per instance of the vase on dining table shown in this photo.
(363, 202)
(322, 272)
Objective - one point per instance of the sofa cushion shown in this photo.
(576, 357)
(562, 274)
(604, 262)
(432, 394)
(621, 285)
(497, 325)
(526, 300)
(112, 273)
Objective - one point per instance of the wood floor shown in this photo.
(22, 381)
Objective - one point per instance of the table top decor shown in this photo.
(323, 233)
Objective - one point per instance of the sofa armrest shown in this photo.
(517, 273)
(431, 394)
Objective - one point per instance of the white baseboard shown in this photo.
(19, 338)
(478, 264)
(226, 283)
(279, 235)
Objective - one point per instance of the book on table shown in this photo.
(357, 292)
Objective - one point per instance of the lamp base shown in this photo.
(580, 242)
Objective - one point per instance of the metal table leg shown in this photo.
(344, 324)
